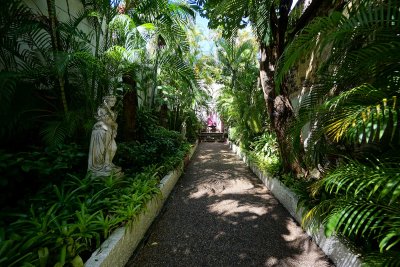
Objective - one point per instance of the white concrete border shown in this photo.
(336, 250)
(116, 250)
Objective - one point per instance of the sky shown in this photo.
(206, 46)
(294, 2)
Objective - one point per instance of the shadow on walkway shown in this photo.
(220, 214)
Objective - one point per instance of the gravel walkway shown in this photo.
(220, 214)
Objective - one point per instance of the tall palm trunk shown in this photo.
(176, 116)
(108, 18)
(56, 44)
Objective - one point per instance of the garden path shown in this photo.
(220, 214)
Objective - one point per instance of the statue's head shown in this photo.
(110, 100)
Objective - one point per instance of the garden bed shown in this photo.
(118, 248)
(333, 247)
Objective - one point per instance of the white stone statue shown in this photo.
(183, 130)
(102, 143)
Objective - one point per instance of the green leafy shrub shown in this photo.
(265, 145)
(172, 161)
(146, 121)
(193, 126)
(158, 146)
(264, 153)
(69, 218)
(234, 135)
(24, 173)
(67, 222)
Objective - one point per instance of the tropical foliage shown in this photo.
(354, 99)
(343, 55)
(345, 126)
(240, 101)
(54, 71)
(354, 134)
(270, 23)
(69, 217)
(241, 104)
(68, 221)
(67, 79)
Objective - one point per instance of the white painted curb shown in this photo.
(336, 250)
(116, 250)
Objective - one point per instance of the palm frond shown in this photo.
(182, 9)
(307, 42)
(368, 22)
(365, 202)
(260, 17)
(180, 67)
(354, 97)
(54, 133)
(386, 259)
(363, 114)
(16, 22)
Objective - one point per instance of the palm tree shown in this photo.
(129, 58)
(99, 14)
(270, 21)
(240, 102)
(353, 111)
(74, 66)
(47, 56)
(171, 20)
(162, 39)
(232, 56)
(354, 99)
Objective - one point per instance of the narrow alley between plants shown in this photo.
(220, 214)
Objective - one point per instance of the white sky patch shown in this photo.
(205, 45)
(293, 4)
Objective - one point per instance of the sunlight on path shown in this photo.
(220, 214)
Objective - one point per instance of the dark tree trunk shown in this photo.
(279, 107)
(164, 115)
(130, 103)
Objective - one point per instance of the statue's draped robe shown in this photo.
(102, 144)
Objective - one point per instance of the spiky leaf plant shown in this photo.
(351, 109)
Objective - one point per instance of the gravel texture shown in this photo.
(220, 214)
